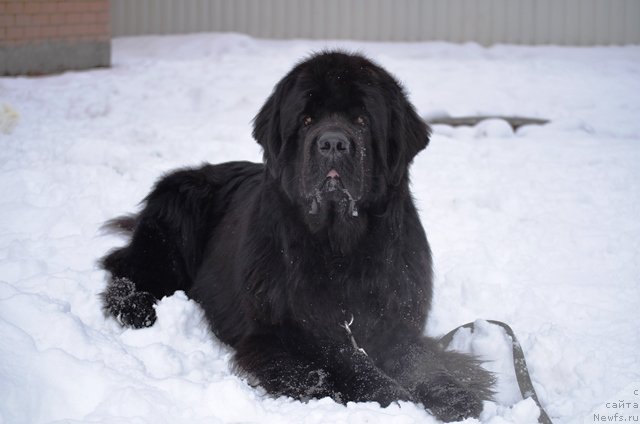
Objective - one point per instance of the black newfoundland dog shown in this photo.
(313, 266)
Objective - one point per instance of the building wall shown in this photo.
(562, 22)
(44, 36)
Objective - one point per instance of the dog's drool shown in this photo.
(317, 199)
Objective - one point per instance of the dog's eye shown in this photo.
(307, 120)
(361, 121)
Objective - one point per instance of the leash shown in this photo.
(519, 365)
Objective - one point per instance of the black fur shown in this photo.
(281, 255)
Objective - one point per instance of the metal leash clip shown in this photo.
(347, 327)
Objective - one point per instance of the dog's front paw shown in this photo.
(389, 394)
(382, 390)
(447, 400)
(130, 307)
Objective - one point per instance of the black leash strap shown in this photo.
(519, 365)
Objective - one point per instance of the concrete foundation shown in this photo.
(52, 56)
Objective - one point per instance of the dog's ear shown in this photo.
(266, 129)
(267, 126)
(408, 135)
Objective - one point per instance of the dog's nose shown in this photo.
(333, 143)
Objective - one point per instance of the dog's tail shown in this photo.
(124, 225)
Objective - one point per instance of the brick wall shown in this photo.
(44, 36)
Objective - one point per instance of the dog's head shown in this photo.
(338, 133)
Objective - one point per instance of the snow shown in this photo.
(538, 228)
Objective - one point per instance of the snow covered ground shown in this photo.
(539, 228)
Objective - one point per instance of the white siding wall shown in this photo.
(572, 22)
